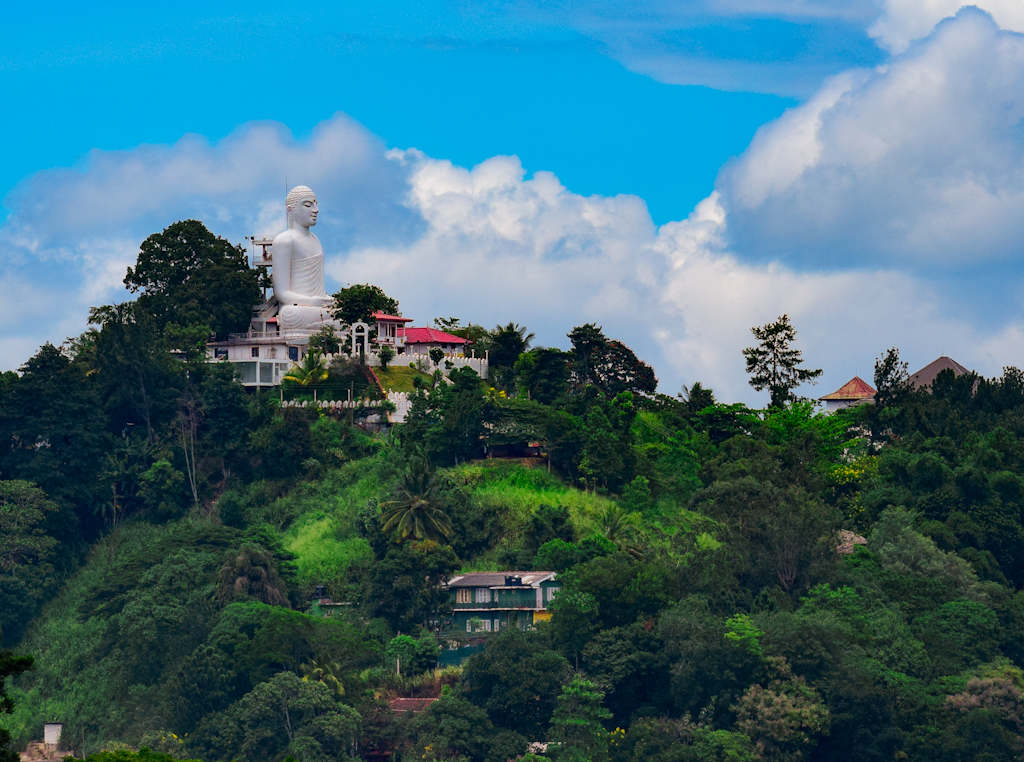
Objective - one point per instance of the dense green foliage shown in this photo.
(738, 584)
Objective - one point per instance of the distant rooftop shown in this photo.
(378, 315)
(927, 374)
(497, 579)
(854, 389)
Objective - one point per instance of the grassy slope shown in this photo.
(398, 378)
(515, 491)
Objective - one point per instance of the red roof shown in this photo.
(854, 389)
(432, 336)
(378, 315)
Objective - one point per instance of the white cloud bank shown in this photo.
(904, 21)
(918, 164)
(489, 244)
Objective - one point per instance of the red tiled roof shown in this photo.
(400, 705)
(432, 336)
(378, 315)
(854, 389)
(927, 374)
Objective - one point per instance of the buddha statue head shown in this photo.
(301, 206)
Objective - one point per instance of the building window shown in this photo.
(255, 351)
(483, 595)
(463, 595)
(293, 354)
(551, 592)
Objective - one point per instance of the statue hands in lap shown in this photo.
(299, 268)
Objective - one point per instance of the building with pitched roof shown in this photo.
(856, 391)
(419, 341)
(495, 601)
(927, 375)
(390, 330)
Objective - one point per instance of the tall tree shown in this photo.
(358, 302)
(576, 722)
(417, 511)
(607, 365)
(543, 373)
(138, 376)
(507, 343)
(55, 436)
(774, 365)
(187, 276)
(892, 381)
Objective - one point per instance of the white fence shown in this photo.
(402, 405)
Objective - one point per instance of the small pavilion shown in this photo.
(856, 391)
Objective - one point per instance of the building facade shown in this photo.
(484, 602)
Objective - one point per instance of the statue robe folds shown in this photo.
(307, 277)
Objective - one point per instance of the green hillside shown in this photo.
(202, 573)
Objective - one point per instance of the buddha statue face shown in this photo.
(305, 212)
(302, 207)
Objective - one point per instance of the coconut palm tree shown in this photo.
(325, 672)
(250, 572)
(416, 511)
(312, 370)
(617, 525)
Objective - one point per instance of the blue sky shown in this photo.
(681, 170)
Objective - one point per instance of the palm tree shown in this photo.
(507, 343)
(617, 525)
(416, 510)
(323, 672)
(311, 372)
(250, 572)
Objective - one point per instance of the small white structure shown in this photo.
(51, 733)
(391, 330)
(854, 392)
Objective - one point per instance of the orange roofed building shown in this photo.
(856, 391)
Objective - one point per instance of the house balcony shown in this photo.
(497, 606)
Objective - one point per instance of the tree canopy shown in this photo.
(186, 277)
(774, 365)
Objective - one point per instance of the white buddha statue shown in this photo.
(298, 274)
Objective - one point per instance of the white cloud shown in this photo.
(920, 162)
(490, 244)
(73, 232)
(904, 21)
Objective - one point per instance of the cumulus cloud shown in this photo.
(904, 21)
(491, 244)
(72, 232)
(919, 163)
